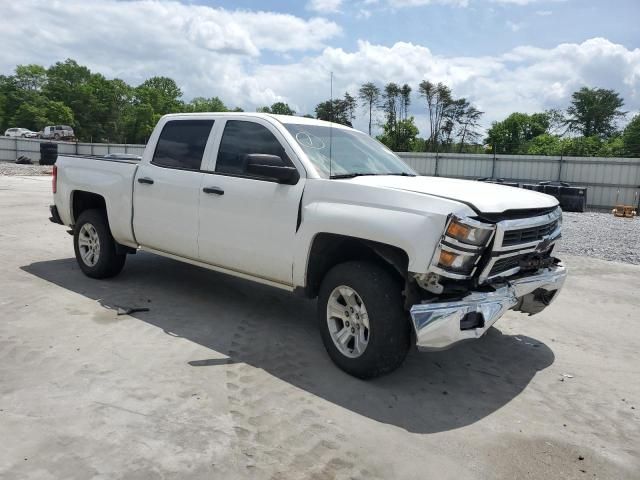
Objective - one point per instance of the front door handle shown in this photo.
(148, 181)
(213, 190)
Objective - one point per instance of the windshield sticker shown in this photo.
(310, 141)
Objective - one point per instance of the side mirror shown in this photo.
(271, 166)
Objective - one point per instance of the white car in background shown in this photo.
(57, 132)
(20, 132)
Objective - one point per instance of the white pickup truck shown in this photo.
(325, 211)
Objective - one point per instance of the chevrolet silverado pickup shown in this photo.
(325, 211)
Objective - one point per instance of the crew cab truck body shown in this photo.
(324, 211)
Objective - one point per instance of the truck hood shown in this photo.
(483, 197)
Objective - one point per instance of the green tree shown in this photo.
(439, 103)
(390, 96)
(545, 144)
(369, 95)
(400, 138)
(338, 110)
(513, 133)
(631, 137)
(162, 93)
(202, 104)
(36, 115)
(278, 108)
(31, 77)
(594, 111)
(469, 125)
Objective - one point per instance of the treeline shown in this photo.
(588, 127)
(98, 108)
(102, 109)
(454, 123)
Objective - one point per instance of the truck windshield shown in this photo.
(340, 153)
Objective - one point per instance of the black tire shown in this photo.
(109, 263)
(389, 327)
(56, 136)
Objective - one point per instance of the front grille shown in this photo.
(528, 235)
(505, 264)
(521, 245)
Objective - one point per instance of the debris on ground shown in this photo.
(22, 160)
(130, 310)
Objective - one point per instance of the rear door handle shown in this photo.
(213, 190)
(148, 181)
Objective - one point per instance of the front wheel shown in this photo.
(95, 247)
(362, 320)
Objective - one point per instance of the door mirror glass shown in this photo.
(271, 166)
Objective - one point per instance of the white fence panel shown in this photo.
(609, 180)
(12, 148)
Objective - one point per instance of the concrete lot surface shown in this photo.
(225, 379)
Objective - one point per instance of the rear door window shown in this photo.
(181, 144)
(241, 138)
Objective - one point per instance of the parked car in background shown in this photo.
(20, 132)
(57, 132)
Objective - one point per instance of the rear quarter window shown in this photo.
(181, 144)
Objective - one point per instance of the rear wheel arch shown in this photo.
(328, 250)
(82, 200)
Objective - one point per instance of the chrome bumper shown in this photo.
(439, 325)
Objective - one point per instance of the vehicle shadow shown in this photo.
(276, 331)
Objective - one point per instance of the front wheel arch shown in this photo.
(328, 250)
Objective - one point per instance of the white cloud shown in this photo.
(459, 3)
(220, 52)
(524, 2)
(324, 6)
(524, 79)
(418, 3)
(152, 25)
(544, 13)
(514, 26)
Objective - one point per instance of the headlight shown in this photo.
(469, 231)
(559, 218)
(461, 247)
(459, 263)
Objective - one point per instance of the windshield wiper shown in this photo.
(351, 175)
(362, 174)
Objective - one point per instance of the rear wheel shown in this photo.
(95, 247)
(362, 320)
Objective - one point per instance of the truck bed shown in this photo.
(111, 178)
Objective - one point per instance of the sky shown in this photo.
(502, 55)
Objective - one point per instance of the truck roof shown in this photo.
(284, 119)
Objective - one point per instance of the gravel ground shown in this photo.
(9, 168)
(601, 235)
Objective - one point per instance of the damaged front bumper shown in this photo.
(441, 325)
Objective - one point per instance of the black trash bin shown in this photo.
(48, 153)
(572, 199)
